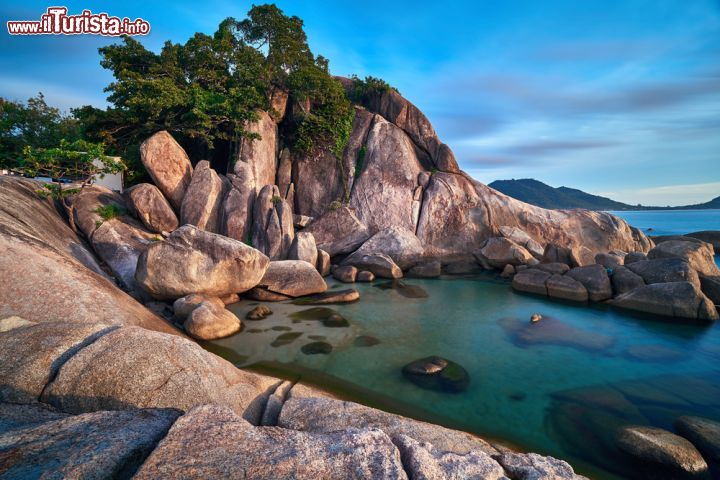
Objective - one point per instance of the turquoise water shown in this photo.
(672, 222)
(561, 386)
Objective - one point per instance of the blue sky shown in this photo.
(619, 98)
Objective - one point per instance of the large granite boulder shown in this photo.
(213, 442)
(237, 209)
(657, 450)
(131, 367)
(304, 248)
(384, 191)
(625, 280)
(710, 236)
(566, 288)
(168, 165)
(321, 415)
(293, 278)
(379, 264)
(663, 270)
(318, 180)
(353, 160)
(273, 230)
(531, 280)
(523, 239)
(19, 416)
(703, 433)
(194, 261)
(710, 286)
(260, 154)
(93, 445)
(54, 275)
(32, 355)
(339, 231)
(595, 279)
(673, 299)
(203, 199)
(699, 255)
(497, 252)
(151, 207)
(210, 321)
(401, 245)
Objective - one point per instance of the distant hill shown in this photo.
(538, 193)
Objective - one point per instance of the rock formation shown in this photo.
(168, 165)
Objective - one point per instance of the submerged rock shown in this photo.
(365, 341)
(334, 296)
(551, 331)
(336, 321)
(436, 373)
(285, 339)
(258, 313)
(316, 348)
(404, 289)
(657, 450)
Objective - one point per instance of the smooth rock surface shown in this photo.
(194, 261)
(151, 207)
(331, 296)
(339, 231)
(379, 264)
(168, 165)
(532, 466)
(323, 262)
(303, 248)
(500, 251)
(595, 279)
(293, 278)
(531, 280)
(210, 322)
(625, 280)
(431, 269)
(346, 273)
(398, 243)
(260, 154)
(703, 433)
(664, 270)
(237, 208)
(203, 199)
(699, 255)
(272, 230)
(567, 288)
(674, 299)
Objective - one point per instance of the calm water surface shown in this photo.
(672, 222)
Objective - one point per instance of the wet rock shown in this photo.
(194, 261)
(237, 207)
(566, 288)
(430, 269)
(203, 199)
(264, 295)
(658, 450)
(365, 276)
(398, 243)
(664, 270)
(339, 231)
(168, 165)
(633, 257)
(323, 262)
(335, 321)
(131, 367)
(272, 230)
(703, 433)
(405, 289)
(333, 296)
(346, 274)
(258, 313)
(551, 331)
(365, 341)
(212, 442)
(423, 460)
(595, 279)
(609, 260)
(93, 445)
(315, 348)
(531, 280)
(285, 339)
(210, 321)
(532, 466)
(535, 317)
(674, 299)
(32, 354)
(553, 268)
(499, 251)
(625, 280)
(699, 255)
(378, 263)
(303, 248)
(293, 278)
(154, 211)
(436, 373)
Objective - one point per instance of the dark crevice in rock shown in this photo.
(275, 402)
(65, 357)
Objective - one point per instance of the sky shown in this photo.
(619, 98)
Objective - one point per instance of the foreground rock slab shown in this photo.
(194, 261)
(93, 445)
(135, 368)
(213, 442)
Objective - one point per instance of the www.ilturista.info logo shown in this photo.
(56, 21)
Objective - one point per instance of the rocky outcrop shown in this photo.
(303, 248)
(293, 278)
(624, 280)
(496, 252)
(595, 279)
(203, 199)
(339, 231)
(210, 321)
(663, 270)
(323, 262)
(319, 180)
(54, 275)
(673, 299)
(193, 261)
(147, 202)
(383, 192)
(531, 280)
(237, 208)
(523, 239)
(213, 442)
(400, 244)
(93, 445)
(566, 288)
(345, 273)
(168, 165)
(379, 264)
(709, 236)
(273, 230)
(260, 154)
(353, 159)
(699, 255)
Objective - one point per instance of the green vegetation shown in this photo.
(335, 204)
(364, 89)
(110, 211)
(360, 162)
(79, 162)
(276, 199)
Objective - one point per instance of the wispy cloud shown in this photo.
(673, 195)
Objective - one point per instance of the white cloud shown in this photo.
(673, 195)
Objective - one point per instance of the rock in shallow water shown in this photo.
(335, 296)
(210, 321)
(294, 278)
(551, 331)
(404, 289)
(258, 313)
(676, 299)
(315, 348)
(703, 433)
(436, 373)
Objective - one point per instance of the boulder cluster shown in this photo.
(677, 278)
